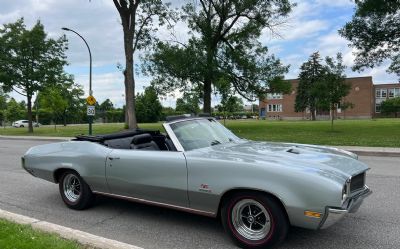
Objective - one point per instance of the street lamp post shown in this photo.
(90, 74)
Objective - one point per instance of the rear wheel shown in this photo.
(254, 220)
(74, 191)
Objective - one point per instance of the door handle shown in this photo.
(113, 158)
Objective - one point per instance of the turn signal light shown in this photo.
(312, 214)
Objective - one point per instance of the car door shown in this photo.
(158, 176)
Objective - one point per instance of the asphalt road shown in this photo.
(375, 225)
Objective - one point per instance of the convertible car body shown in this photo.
(258, 189)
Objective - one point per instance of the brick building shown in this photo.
(364, 95)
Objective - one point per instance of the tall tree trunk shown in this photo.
(65, 118)
(207, 96)
(332, 115)
(208, 81)
(312, 111)
(129, 78)
(30, 125)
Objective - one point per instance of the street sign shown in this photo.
(91, 110)
(91, 100)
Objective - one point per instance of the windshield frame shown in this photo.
(174, 138)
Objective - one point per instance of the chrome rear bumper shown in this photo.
(333, 215)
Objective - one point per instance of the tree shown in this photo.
(55, 102)
(189, 103)
(138, 19)
(223, 49)
(104, 107)
(14, 111)
(148, 107)
(333, 88)
(391, 106)
(231, 104)
(374, 33)
(3, 106)
(29, 61)
(311, 75)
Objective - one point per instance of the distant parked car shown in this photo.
(24, 123)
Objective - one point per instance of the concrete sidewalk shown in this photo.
(86, 239)
(361, 151)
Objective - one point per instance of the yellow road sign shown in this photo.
(91, 100)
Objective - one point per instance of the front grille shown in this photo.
(357, 182)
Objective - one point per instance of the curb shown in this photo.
(86, 239)
(372, 151)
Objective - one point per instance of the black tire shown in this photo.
(275, 217)
(79, 198)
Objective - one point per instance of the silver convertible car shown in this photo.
(257, 189)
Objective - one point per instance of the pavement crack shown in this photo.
(106, 220)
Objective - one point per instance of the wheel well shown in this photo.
(232, 192)
(59, 172)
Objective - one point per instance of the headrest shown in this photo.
(142, 139)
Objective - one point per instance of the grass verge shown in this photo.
(374, 133)
(18, 236)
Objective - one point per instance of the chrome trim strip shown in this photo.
(154, 203)
(333, 214)
(171, 133)
(173, 137)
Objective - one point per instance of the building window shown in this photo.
(391, 92)
(378, 93)
(378, 107)
(275, 108)
(397, 92)
(381, 93)
(274, 96)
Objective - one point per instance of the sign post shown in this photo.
(91, 111)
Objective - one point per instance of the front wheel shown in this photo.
(254, 220)
(74, 191)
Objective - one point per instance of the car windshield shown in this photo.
(200, 133)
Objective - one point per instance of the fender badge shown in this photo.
(204, 188)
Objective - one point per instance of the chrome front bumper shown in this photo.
(351, 205)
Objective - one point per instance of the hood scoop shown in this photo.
(293, 151)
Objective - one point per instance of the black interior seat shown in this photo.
(144, 142)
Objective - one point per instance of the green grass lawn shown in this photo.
(15, 236)
(379, 132)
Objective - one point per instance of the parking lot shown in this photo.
(375, 225)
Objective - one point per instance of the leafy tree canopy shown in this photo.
(15, 111)
(189, 103)
(322, 86)
(231, 104)
(374, 32)
(391, 106)
(223, 50)
(311, 73)
(29, 60)
(107, 105)
(148, 107)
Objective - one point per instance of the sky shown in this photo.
(312, 26)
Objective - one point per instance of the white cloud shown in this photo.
(98, 21)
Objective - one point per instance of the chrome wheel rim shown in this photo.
(251, 220)
(72, 187)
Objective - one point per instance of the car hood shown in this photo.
(331, 162)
